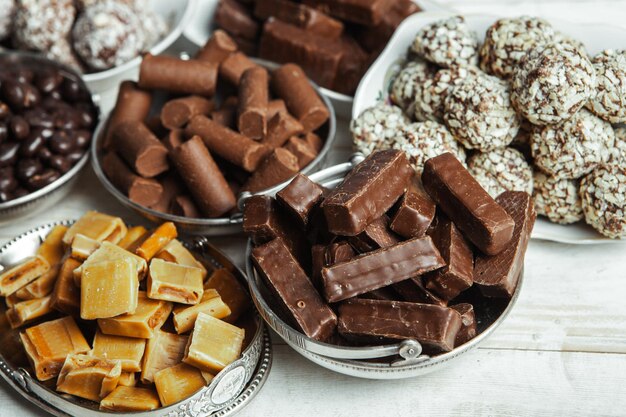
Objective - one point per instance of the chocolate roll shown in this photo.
(136, 144)
(203, 178)
(275, 106)
(177, 113)
(173, 139)
(217, 48)
(183, 205)
(252, 104)
(280, 128)
(133, 104)
(278, 166)
(143, 191)
(228, 144)
(235, 19)
(227, 113)
(292, 85)
(178, 76)
(172, 186)
(233, 67)
(314, 141)
(302, 150)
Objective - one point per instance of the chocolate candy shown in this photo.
(414, 214)
(280, 128)
(60, 163)
(173, 139)
(300, 197)
(435, 327)
(233, 67)
(293, 289)
(275, 106)
(456, 276)
(218, 48)
(40, 180)
(380, 268)
(177, 113)
(376, 235)
(144, 191)
(133, 104)
(183, 205)
(375, 38)
(313, 21)
(364, 12)
(252, 104)
(315, 142)
(62, 143)
(278, 166)
(367, 192)
(203, 178)
(291, 84)
(497, 275)
(228, 144)
(140, 148)
(8, 153)
(177, 76)
(468, 329)
(234, 18)
(172, 186)
(19, 128)
(226, 115)
(467, 204)
(302, 150)
(413, 290)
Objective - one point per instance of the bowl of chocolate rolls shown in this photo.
(47, 118)
(103, 317)
(192, 134)
(386, 273)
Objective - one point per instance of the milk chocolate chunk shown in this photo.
(172, 187)
(364, 12)
(226, 115)
(233, 67)
(413, 290)
(376, 37)
(219, 46)
(234, 18)
(143, 191)
(291, 286)
(435, 327)
(468, 329)
(280, 128)
(275, 106)
(385, 293)
(308, 18)
(278, 166)
(140, 148)
(302, 150)
(178, 76)
(183, 205)
(367, 192)
(457, 275)
(300, 197)
(375, 236)
(133, 104)
(173, 139)
(228, 144)
(314, 141)
(203, 178)
(292, 85)
(414, 214)
(483, 221)
(497, 275)
(177, 113)
(380, 268)
(252, 105)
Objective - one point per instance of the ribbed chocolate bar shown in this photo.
(435, 327)
(468, 318)
(380, 268)
(367, 192)
(497, 275)
(290, 284)
(467, 204)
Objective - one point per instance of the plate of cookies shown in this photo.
(524, 103)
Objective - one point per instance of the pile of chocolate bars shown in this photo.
(333, 40)
(385, 256)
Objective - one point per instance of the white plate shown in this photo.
(375, 86)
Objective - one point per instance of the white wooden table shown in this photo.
(562, 351)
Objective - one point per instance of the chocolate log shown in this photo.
(275, 106)
(183, 205)
(143, 191)
(176, 113)
(235, 19)
(278, 166)
(468, 330)
(227, 113)
(414, 214)
(203, 178)
(280, 128)
(133, 104)
(172, 186)
(467, 204)
(364, 12)
(302, 150)
(497, 275)
(177, 76)
(293, 289)
(367, 192)
(307, 18)
(300, 197)
(252, 104)
(435, 327)
(233, 67)
(173, 139)
(134, 142)
(380, 268)
(413, 290)
(217, 48)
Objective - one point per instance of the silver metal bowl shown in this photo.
(230, 390)
(206, 226)
(52, 193)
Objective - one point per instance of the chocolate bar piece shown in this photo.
(233, 67)
(367, 192)
(497, 275)
(177, 75)
(338, 252)
(236, 20)
(435, 327)
(457, 275)
(315, 142)
(140, 148)
(354, 62)
(252, 105)
(278, 166)
(375, 236)
(292, 287)
(143, 191)
(483, 221)
(305, 17)
(375, 38)
(380, 268)
(133, 104)
(364, 12)
(385, 293)
(318, 261)
(300, 197)
(414, 214)
(280, 128)
(217, 48)
(176, 113)
(413, 290)
(302, 150)
(468, 330)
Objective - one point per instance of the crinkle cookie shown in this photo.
(574, 147)
(557, 198)
(7, 12)
(424, 140)
(609, 102)
(551, 83)
(603, 194)
(479, 113)
(431, 94)
(376, 127)
(409, 79)
(508, 40)
(41, 23)
(447, 42)
(618, 151)
(501, 170)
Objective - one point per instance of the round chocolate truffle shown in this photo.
(574, 147)
(557, 198)
(618, 151)
(42, 23)
(501, 170)
(108, 34)
(62, 52)
(447, 42)
(376, 127)
(479, 113)
(7, 11)
(508, 40)
(603, 194)
(609, 102)
(410, 78)
(551, 83)
(562, 38)
(425, 140)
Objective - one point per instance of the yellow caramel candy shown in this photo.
(88, 377)
(110, 252)
(178, 382)
(133, 238)
(162, 351)
(25, 272)
(97, 226)
(177, 253)
(149, 315)
(211, 303)
(27, 311)
(41, 286)
(125, 398)
(52, 248)
(108, 289)
(128, 350)
(82, 247)
(172, 282)
(65, 295)
(128, 379)
(232, 292)
(157, 240)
